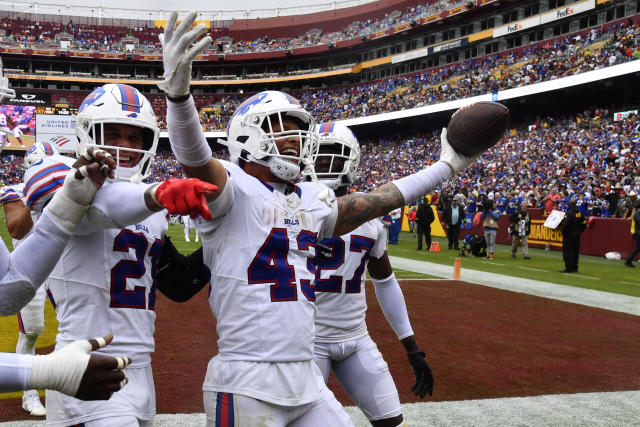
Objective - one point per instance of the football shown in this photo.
(477, 127)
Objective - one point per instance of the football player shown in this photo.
(105, 278)
(342, 343)
(261, 243)
(188, 225)
(72, 371)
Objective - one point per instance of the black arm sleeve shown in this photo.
(180, 277)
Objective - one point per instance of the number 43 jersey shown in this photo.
(340, 292)
(105, 283)
(261, 259)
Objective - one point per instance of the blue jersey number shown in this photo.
(129, 269)
(334, 283)
(270, 265)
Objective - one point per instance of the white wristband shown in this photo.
(417, 185)
(185, 133)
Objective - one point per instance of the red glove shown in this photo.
(185, 197)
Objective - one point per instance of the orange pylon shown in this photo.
(435, 247)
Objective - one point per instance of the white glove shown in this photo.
(451, 157)
(176, 59)
(72, 201)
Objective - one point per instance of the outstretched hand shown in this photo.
(177, 55)
(184, 196)
(450, 156)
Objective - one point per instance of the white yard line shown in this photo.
(586, 277)
(588, 297)
(534, 269)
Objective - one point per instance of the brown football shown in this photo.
(477, 127)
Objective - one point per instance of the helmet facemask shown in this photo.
(265, 120)
(338, 157)
(104, 107)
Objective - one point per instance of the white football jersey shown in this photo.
(105, 283)
(340, 291)
(43, 179)
(261, 259)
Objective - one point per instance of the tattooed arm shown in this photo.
(356, 209)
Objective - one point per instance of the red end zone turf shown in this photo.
(481, 342)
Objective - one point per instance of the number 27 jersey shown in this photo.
(340, 291)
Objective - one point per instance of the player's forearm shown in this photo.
(19, 221)
(393, 307)
(185, 133)
(356, 209)
(117, 205)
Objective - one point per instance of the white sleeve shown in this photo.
(393, 307)
(415, 186)
(380, 245)
(219, 207)
(21, 276)
(15, 370)
(186, 137)
(327, 196)
(116, 205)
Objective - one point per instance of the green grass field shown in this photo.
(594, 272)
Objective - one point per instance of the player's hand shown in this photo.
(17, 131)
(74, 372)
(71, 202)
(184, 197)
(104, 375)
(95, 164)
(455, 160)
(324, 252)
(176, 58)
(424, 378)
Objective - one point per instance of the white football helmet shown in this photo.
(5, 92)
(124, 105)
(251, 136)
(39, 151)
(338, 156)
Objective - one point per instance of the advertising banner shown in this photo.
(57, 129)
(30, 98)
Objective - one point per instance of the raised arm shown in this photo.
(356, 209)
(183, 123)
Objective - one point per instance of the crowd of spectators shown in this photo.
(588, 157)
(104, 38)
(547, 61)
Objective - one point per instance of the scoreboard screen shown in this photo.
(64, 111)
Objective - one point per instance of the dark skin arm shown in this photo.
(356, 209)
(18, 218)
